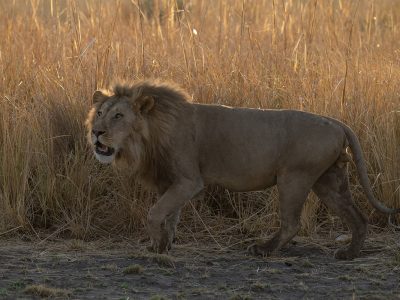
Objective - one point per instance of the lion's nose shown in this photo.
(97, 133)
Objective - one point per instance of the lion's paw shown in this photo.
(345, 254)
(160, 245)
(258, 250)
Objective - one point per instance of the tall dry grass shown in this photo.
(338, 58)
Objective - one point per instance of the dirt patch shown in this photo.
(107, 270)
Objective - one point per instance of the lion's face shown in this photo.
(115, 124)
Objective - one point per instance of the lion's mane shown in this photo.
(171, 104)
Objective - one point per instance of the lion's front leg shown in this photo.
(164, 215)
(170, 225)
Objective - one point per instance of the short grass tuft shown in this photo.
(45, 291)
(133, 269)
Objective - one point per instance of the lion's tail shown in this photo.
(362, 169)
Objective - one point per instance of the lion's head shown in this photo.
(131, 124)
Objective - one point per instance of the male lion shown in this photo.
(177, 147)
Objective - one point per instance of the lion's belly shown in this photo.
(241, 182)
(241, 168)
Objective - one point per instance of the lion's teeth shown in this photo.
(103, 148)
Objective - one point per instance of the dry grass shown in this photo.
(163, 260)
(338, 58)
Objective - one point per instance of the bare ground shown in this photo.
(124, 270)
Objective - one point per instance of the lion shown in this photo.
(176, 147)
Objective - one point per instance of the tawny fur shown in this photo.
(178, 147)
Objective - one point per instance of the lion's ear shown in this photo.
(98, 96)
(143, 104)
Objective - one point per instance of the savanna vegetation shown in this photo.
(337, 58)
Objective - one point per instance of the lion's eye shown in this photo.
(118, 116)
(99, 113)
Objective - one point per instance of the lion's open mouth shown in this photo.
(103, 149)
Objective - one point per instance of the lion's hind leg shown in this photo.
(333, 189)
(293, 191)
